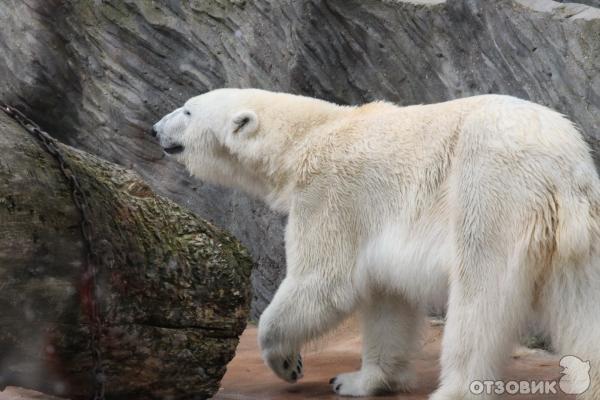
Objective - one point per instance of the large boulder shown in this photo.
(100, 72)
(150, 300)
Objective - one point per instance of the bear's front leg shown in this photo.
(317, 293)
(300, 312)
(391, 329)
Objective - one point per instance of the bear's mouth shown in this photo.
(173, 149)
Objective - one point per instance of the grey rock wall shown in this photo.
(100, 72)
(593, 3)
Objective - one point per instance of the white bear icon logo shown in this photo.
(575, 375)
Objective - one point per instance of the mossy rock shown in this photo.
(172, 291)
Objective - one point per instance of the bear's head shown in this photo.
(243, 138)
(203, 132)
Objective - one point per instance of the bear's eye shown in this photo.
(186, 112)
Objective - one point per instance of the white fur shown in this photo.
(491, 198)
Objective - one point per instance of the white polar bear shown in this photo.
(493, 198)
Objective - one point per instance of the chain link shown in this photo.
(89, 272)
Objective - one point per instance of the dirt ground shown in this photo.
(247, 378)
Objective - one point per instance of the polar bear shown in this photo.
(491, 200)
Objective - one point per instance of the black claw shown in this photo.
(337, 388)
(294, 376)
(298, 369)
(331, 381)
(286, 364)
(300, 361)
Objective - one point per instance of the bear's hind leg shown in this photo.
(570, 311)
(391, 330)
(488, 304)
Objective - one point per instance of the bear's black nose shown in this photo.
(153, 132)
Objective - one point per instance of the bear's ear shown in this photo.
(244, 123)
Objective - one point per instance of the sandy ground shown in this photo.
(14, 393)
(248, 378)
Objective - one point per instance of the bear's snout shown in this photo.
(153, 132)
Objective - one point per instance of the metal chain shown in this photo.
(89, 272)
